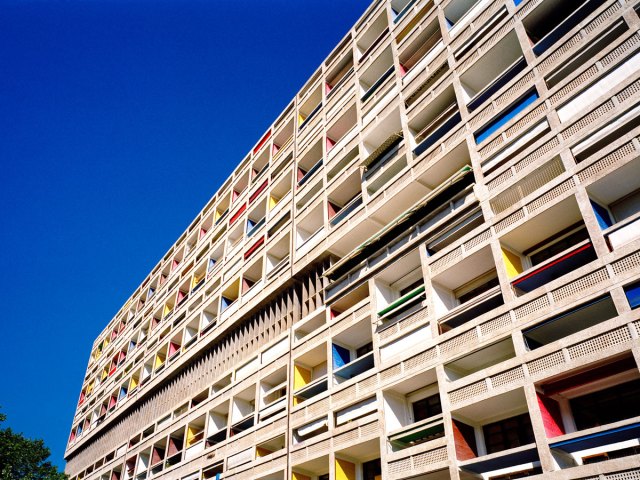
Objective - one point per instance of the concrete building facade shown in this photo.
(427, 268)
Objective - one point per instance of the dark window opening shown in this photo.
(508, 433)
(607, 406)
(427, 407)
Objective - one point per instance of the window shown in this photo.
(539, 254)
(427, 407)
(607, 406)
(372, 470)
(508, 433)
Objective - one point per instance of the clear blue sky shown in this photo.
(118, 121)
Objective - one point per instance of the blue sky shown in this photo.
(118, 121)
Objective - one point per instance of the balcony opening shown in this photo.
(460, 12)
(360, 461)
(400, 290)
(546, 247)
(209, 317)
(310, 163)
(373, 36)
(273, 394)
(310, 374)
(384, 147)
(575, 320)
(316, 469)
(494, 70)
(553, 19)
(259, 166)
(495, 437)
(309, 324)
(213, 472)
(278, 192)
(278, 255)
(175, 345)
(218, 420)
(339, 75)
(252, 279)
(352, 352)
(586, 53)
(309, 229)
(158, 452)
(221, 384)
(282, 139)
(437, 119)
(480, 359)
(311, 107)
(161, 357)
(270, 446)
(376, 74)
(344, 199)
(195, 441)
(399, 8)
(243, 406)
(461, 295)
(421, 51)
(615, 200)
(310, 430)
(412, 412)
(229, 295)
(175, 446)
(340, 129)
(593, 413)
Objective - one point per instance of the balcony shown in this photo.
(567, 323)
(495, 437)
(593, 413)
(310, 374)
(546, 247)
(435, 121)
(492, 71)
(553, 19)
(345, 273)
(352, 352)
(412, 412)
(615, 199)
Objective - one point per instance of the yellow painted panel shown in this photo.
(273, 201)
(301, 118)
(159, 361)
(345, 470)
(191, 432)
(262, 452)
(299, 476)
(167, 309)
(301, 376)
(133, 384)
(512, 262)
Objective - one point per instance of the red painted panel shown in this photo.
(236, 215)
(464, 450)
(260, 189)
(253, 248)
(262, 142)
(551, 417)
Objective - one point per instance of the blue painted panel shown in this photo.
(604, 219)
(495, 125)
(633, 294)
(341, 356)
